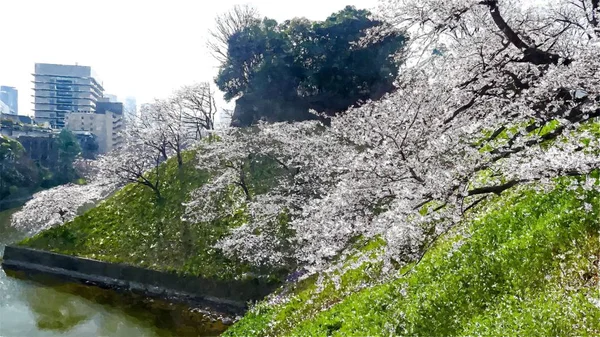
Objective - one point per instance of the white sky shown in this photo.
(140, 48)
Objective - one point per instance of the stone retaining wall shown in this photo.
(225, 296)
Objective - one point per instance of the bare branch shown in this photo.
(227, 25)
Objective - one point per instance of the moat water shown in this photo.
(33, 308)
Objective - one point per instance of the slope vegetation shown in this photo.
(526, 264)
(133, 227)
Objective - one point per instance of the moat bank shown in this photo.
(31, 308)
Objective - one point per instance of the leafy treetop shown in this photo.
(299, 65)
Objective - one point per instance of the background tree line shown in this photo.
(21, 175)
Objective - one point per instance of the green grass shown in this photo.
(526, 263)
(309, 296)
(525, 267)
(135, 228)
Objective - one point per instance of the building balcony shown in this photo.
(92, 92)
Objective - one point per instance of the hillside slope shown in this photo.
(133, 227)
(526, 265)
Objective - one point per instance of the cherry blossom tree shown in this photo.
(175, 123)
(290, 153)
(164, 129)
(165, 122)
(198, 108)
(135, 161)
(61, 204)
(494, 95)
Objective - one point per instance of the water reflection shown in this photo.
(42, 311)
(52, 308)
(60, 314)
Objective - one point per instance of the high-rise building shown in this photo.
(111, 98)
(10, 97)
(4, 109)
(130, 107)
(105, 124)
(62, 89)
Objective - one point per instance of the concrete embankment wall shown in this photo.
(229, 297)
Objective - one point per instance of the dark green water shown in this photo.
(33, 308)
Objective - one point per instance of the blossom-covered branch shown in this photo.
(60, 204)
(493, 95)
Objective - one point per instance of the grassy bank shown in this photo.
(527, 267)
(524, 263)
(133, 227)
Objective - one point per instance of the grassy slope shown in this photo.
(527, 267)
(133, 227)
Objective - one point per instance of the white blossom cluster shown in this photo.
(60, 204)
(296, 150)
(163, 130)
(493, 94)
(494, 90)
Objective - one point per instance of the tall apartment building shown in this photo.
(130, 106)
(4, 109)
(10, 97)
(106, 124)
(63, 89)
(111, 97)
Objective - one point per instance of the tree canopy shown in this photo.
(493, 95)
(28, 164)
(13, 173)
(68, 150)
(279, 71)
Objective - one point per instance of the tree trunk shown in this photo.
(179, 159)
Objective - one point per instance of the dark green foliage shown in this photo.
(18, 174)
(280, 71)
(68, 150)
(526, 267)
(23, 172)
(89, 146)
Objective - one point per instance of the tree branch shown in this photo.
(498, 189)
(531, 54)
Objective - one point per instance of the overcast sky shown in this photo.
(140, 48)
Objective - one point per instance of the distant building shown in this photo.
(17, 131)
(63, 89)
(10, 97)
(4, 109)
(130, 107)
(110, 98)
(105, 124)
(39, 143)
(40, 146)
(115, 107)
(20, 119)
